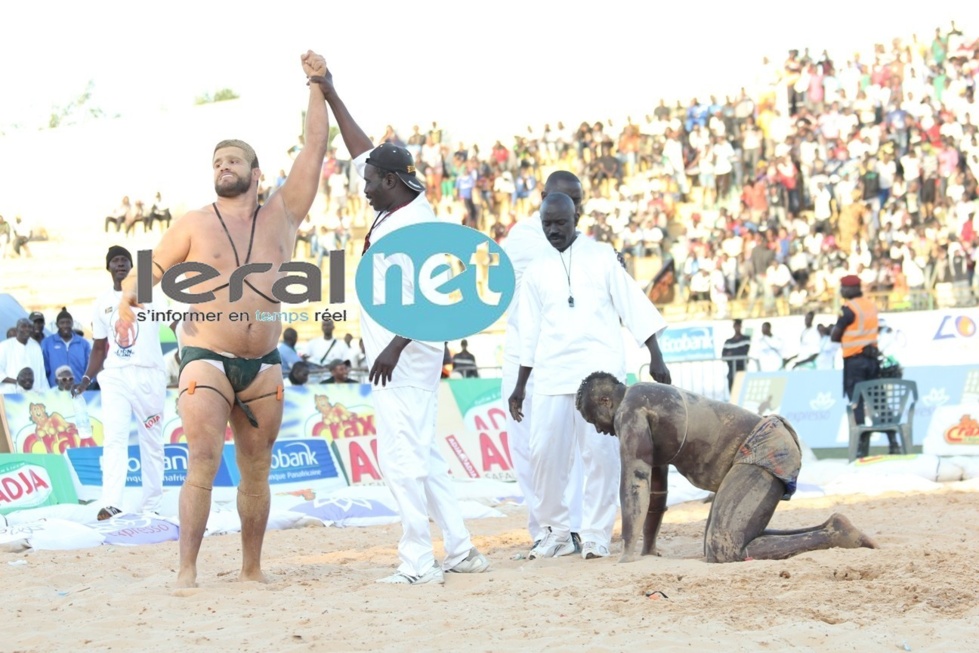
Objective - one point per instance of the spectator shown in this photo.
(19, 352)
(298, 374)
(769, 350)
(37, 326)
(287, 350)
(65, 348)
(465, 363)
(339, 372)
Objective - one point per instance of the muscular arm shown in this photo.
(657, 506)
(299, 189)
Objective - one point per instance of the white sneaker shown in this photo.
(474, 563)
(433, 575)
(552, 546)
(591, 550)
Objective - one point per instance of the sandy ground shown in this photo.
(917, 592)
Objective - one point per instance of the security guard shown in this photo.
(856, 331)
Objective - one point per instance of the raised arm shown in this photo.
(354, 137)
(299, 189)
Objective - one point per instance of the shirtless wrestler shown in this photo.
(750, 461)
(230, 370)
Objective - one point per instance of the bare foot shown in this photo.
(255, 576)
(847, 535)
(185, 591)
(187, 578)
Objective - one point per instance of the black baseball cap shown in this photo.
(35, 316)
(391, 158)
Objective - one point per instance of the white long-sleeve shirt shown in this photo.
(14, 357)
(524, 243)
(564, 344)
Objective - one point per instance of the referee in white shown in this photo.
(571, 302)
(133, 379)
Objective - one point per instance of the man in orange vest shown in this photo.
(856, 331)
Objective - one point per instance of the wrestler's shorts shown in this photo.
(773, 445)
(240, 371)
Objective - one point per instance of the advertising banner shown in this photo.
(688, 342)
(954, 431)
(481, 445)
(53, 421)
(32, 481)
(813, 401)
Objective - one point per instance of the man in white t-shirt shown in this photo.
(768, 350)
(810, 344)
(132, 376)
(571, 302)
(320, 351)
(405, 373)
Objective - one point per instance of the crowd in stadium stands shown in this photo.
(819, 168)
(128, 215)
(823, 168)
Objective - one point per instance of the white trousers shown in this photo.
(418, 477)
(518, 438)
(127, 391)
(557, 431)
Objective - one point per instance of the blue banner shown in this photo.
(687, 343)
(813, 400)
(293, 461)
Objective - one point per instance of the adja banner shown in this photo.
(32, 481)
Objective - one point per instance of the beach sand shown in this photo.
(917, 592)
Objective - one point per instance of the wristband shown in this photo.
(86, 376)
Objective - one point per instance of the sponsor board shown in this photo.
(814, 403)
(293, 461)
(954, 431)
(687, 343)
(46, 422)
(33, 480)
(87, 463)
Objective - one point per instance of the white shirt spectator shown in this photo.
(768, 350)
(14, 357)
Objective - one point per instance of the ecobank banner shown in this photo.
(327, 439)
(945, 417)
